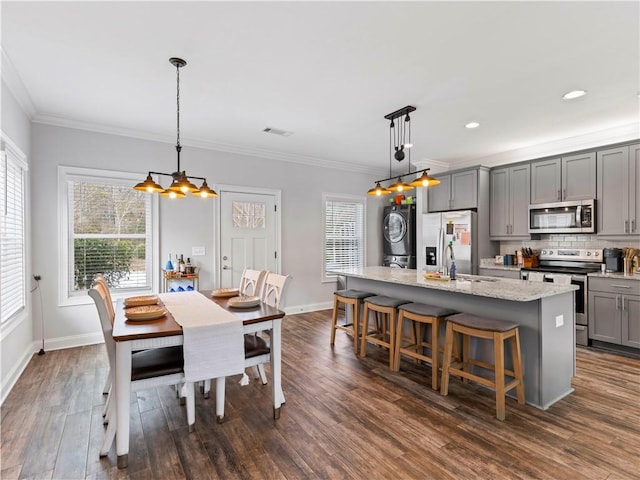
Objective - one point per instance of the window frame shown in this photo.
(340, 197)
(67, 174)
(13, 154)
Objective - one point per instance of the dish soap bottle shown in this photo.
(452, 270)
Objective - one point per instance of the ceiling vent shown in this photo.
(277, 131)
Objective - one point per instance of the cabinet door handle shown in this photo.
(620, 286)
(633, 226)
(626, 226)
(559, 197)
(617, 302)
(564, 193)
(622, 302)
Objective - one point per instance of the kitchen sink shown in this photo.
(476, 279)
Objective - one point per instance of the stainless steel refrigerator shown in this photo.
(458, 227)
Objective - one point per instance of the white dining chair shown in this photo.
(251, 284)
(149, 368)
(257, 351)
(102, 281)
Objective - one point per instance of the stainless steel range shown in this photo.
(569, 265)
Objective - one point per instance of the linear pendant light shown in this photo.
(398, 142)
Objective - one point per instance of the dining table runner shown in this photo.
(213, 337)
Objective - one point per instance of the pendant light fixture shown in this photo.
(181, 185)
(399, 145)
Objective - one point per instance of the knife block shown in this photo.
(530, 262)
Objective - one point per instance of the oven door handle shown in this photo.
(579, 216)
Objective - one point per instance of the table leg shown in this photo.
(123, 394)
(220, 393)
(276, 367)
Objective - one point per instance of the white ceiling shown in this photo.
(329, 72)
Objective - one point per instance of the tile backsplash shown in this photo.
(569, 240)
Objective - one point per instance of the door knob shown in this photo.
(225, 267)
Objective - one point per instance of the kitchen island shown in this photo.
(544, 312)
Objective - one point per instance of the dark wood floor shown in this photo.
(344, 418)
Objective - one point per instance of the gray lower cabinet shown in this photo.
(457, 191)
(496, 272)
(509, 199)
(614, 311)
(618, 204)
(564, 179)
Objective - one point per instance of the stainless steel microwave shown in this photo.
(563, 217)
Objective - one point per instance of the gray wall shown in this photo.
(16, 341)
(188, 222)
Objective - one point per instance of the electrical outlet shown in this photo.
(559, 321)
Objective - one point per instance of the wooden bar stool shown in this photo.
(497, 330)
(419, 314)
(352, 298)
(384, 331)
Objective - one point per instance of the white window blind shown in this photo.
(343, 233)
(110, 232)
(12, 237)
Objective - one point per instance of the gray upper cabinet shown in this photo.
(457, 191)
(579, 177)
(564, 179)
(546, 183)
(509, 202)
(439, 196)
(618, 205)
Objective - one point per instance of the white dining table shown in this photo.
(165, 332)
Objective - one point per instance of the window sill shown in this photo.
(87, 300)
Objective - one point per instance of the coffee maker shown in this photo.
(612, 259)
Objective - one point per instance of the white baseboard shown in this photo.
(14, 374)
(69, 342)
(311, 307)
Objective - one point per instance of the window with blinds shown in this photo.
(343, 233)
(12, 236)
(109, 232)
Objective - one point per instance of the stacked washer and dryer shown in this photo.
(399, 236)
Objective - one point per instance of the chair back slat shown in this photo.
(272, 292)
(252, 282)
(101, 280)
(97, 293)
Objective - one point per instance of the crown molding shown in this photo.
(58, 121)
(434, 166)
(15, 85)
(600, 138)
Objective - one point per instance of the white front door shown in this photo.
(249, 232)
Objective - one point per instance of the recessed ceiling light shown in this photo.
(472, 125)
(574, 94)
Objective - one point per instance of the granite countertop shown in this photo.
(616, 275)
(501, 288)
